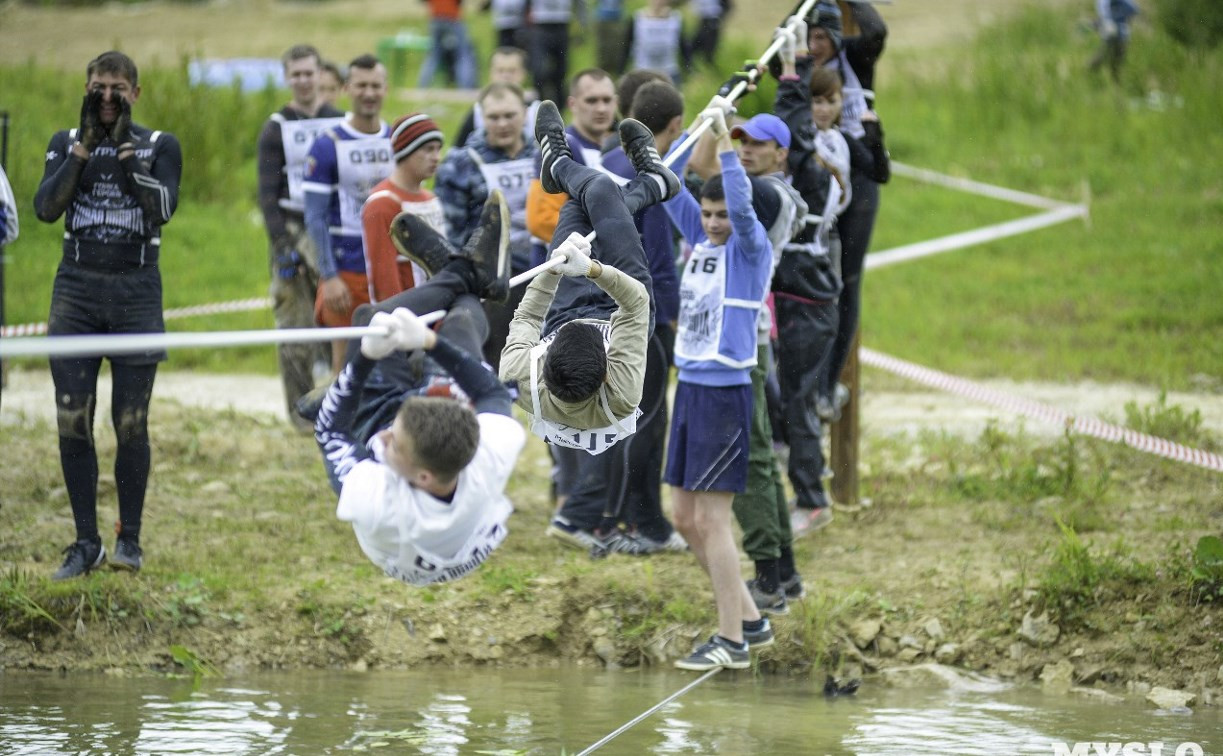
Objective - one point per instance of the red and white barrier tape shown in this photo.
(1087, 425)
(236, 305)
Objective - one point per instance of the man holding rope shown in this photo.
(116, 184)
(582, 382)
(420, 475)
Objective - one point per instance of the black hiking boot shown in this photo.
(128, 555)
(638, 143)
(550, 133)
(421, 243)
(81, 558)
(489, 250)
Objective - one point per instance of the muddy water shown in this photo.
(564, 710)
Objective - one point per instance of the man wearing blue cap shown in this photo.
(762, 511)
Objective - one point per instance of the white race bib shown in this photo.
(360, 165)
(297, 136)
(702, 289)
(513, 178)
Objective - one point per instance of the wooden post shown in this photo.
(844, 435)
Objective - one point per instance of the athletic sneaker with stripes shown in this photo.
(638, 143)
(550, 133)
(718, 653)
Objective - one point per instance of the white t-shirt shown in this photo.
(418, 539)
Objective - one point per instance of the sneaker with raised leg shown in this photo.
(758, 639)
(550, 133)
(718, 653)
(489, 249)
(804, 521)
(420, 242)
(128, 555)
(638, 143)
(81, 558)
(768, 603)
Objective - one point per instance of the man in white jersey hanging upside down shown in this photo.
(420, 451)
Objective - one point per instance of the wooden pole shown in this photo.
(844, 435)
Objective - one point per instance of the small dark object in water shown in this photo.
(832, 688)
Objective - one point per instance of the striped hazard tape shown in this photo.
(1085, 424)
(215, 308)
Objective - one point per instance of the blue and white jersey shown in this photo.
(722, 287)
(344, 165)
(657, 41)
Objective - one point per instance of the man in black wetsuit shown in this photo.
(116, 183)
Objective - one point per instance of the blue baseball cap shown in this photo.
(762, 127)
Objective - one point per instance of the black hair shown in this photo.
(367, 62)
(113, 62)
(629, 83)
(656, 104)
(326, 65)
(576, 363)
(712, 190)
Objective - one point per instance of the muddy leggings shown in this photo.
(76, 385)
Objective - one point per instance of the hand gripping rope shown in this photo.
(701, 125)
(134, 343)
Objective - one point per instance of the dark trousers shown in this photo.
(855, 226)
(761, 510)
(549, 56)
(805, 333)
(597, 204)
(624, 483)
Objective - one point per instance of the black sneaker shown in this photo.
(82, 557)
(309, 404)
(421, 243)
(550, 133)
(127, 555)
(768, 603)
(489, 249)
(716, 654)
(793, 587)
(621, 542)
(638, 143)
(758, 639)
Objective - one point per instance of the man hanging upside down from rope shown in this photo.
(419, 446)
(585, 374)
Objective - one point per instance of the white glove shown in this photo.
(405, 332)
(576, 252)
(717, 111)
(799, 25)
(789, 44)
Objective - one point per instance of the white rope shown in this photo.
(135, 343)
(976, 236)
(624, 727)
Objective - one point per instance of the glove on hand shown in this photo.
(733, 81)
(121, 129)
(287, 261)
(91, 131)
(405, 332)
(789, 44)
(717, 118)
(799, 25)
(576, 252)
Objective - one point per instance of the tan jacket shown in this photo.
(625, 355)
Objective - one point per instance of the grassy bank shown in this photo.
(248, 568)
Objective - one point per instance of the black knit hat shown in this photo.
(827, 16)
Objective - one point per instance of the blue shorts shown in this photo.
(708, 448)
(87, 301)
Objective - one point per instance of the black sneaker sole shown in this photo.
(548, 121)
(421, 243)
